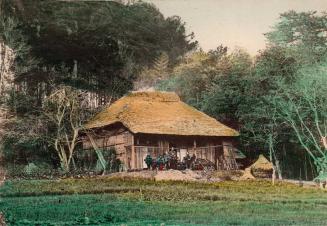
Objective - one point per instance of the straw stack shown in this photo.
(262, 168)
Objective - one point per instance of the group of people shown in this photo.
(188, 160)
(162, 161)
(169, 160)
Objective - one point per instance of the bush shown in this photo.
(30, 169)
(33, 170)
(20, 103)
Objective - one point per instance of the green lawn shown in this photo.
(110, 201)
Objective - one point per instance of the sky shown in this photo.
(233, 23)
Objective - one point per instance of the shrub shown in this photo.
(83, 159)
(33, 170)
(30, 169)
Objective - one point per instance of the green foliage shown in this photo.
(38, 169)
(30, 168)
(302, 33)
(87, 161)
(24, 138)
(150, 77)
(243, 95)
(14, 37)
(20, 103)
(202, 75)
(94, 46)
(102, 43)
(135, 201)
(277, 101)
(22, 147)
(303, 106)
(112, 163)
(98, 167)
(126, 185)
(194, 75)
(322, 177)
(262, 128)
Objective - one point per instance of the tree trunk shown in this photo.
(278, 169)
(6, 61)
(272, 155)
(324, 142)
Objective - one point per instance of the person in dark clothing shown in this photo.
(148, 161)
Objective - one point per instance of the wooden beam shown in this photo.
(133, 165)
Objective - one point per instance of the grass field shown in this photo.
(114, 201)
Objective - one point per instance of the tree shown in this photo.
(303, 34)
(103, 44)
(301, 37)
(261, 127)
(160, 65)
(98, 47)
(193, 76)
(150, 77)
(24, 141)
(15, 58)
(303, 106)
(227, 88)
(64, 110)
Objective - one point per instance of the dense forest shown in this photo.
(63, 61)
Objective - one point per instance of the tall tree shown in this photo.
(103, 44)
(100, 47)
(150, 77)
(194, 75)
(227, 90)
(304, 34)
(303, 106)
(64, 112)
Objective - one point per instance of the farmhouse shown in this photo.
(156, 123)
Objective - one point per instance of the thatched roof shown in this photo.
(262, 164)
(159, 113)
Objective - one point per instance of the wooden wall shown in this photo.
(117, 137)
(124, 142)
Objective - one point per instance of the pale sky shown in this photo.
(233, 23)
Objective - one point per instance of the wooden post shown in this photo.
(133, 165)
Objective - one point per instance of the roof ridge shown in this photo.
(161, 96)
